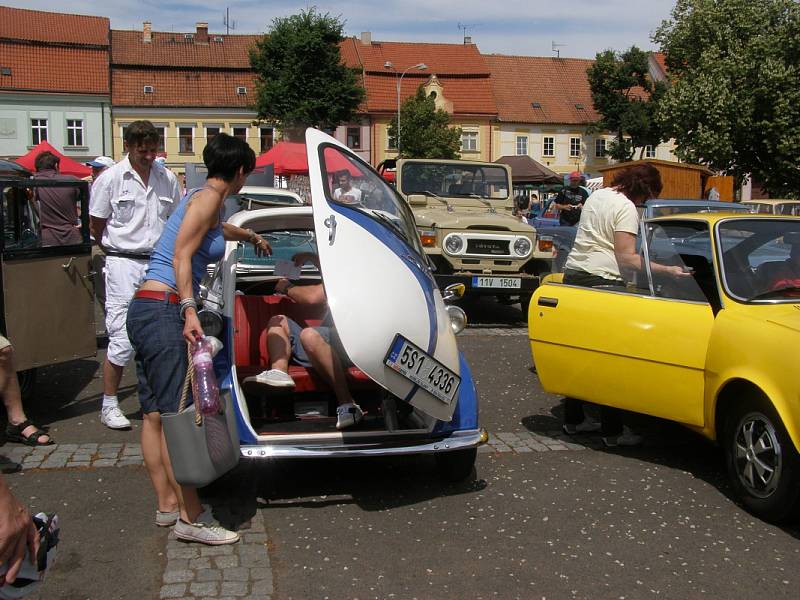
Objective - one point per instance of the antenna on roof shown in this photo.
(554, 47)
(226, 20)
(464, 27)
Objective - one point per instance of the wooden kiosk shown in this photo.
(681, 180)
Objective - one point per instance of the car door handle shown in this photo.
(545, 301)
(330, 223)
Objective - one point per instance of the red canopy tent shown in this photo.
(66, 167)
(289, 158)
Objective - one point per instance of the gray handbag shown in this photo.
(201, 448)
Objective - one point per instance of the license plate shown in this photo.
(428, 373)
(506, 283)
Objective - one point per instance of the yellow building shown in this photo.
(456, 74)
(545, 111)
(191, 86)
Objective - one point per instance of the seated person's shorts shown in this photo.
(299, 355)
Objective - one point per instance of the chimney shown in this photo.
(147, 33)
(202, 33)
(366, 38)
(467, 39)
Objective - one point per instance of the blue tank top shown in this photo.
(211, 249)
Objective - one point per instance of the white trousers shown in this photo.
(122, 276)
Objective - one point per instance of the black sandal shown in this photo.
(14, 434)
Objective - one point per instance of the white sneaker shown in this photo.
(348, 415)
(113, 418)
(272, 377)
(586, 426)
(626, 438)
(205, 530)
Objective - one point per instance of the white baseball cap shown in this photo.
(101, 162)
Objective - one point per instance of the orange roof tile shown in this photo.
(174, 50)
(182, 88)
(38, 68)
(559, 86)
(38, 26)
(460, 68)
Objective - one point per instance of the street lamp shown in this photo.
(388, 65)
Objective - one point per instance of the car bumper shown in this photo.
(528, 284)
(459, 440)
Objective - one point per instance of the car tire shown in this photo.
(27, 382)
(524, 303)
(762, 462)
(456, 465)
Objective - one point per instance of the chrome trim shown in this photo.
(457, 441)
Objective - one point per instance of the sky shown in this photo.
(521, 27)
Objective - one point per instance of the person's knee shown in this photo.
(312, 341)
(7, 359)
(278, 324)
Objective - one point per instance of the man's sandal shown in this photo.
(14, 434)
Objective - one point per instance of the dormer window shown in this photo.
(241, 90)
(149, 89)
(188, 36)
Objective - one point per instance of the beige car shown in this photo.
(774, 206)
(463, 215)
(46, 291)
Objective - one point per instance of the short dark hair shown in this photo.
(141, 132)
(344, 173)
(640, 181)
(224, 155)
(46, 161)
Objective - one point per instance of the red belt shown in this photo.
(160, 296)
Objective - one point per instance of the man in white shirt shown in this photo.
(130, 203)
(346, 193)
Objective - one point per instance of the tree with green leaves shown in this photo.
(300, 78)
(425, 130)
(734, 103)
(626, 96)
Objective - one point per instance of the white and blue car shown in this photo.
(407, 372)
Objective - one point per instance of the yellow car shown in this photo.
(717, 352)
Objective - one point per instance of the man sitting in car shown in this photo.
(315, 347)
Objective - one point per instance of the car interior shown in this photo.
(310, 407)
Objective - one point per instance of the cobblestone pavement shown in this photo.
(237, 571)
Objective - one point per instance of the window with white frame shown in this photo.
(522, 145)
(574, 147)
(239, 132)
(38, 131)
(267, 138)
(649, 151)
(469, 141)
(186, 139)
(74, 132)
(548, 146)
(600, 147)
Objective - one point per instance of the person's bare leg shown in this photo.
(112, 375)
(12, 397)
(166, 495)
(278, 343)
(326, 363)
(188, 499)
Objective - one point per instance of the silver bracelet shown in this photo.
(186, 303)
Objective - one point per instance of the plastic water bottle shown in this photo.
(204, 387)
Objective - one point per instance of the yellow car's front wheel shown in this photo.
(762, 462)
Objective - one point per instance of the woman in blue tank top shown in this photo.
(162, 318)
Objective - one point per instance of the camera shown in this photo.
(31, 575)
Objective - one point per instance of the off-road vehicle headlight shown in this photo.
(453, 243)
(522, 246)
